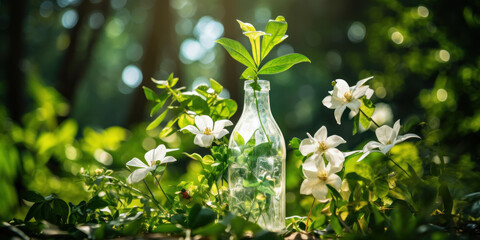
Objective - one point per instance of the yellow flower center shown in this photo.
(322, 146)
(207, 131)
(348, 96)
(323, 176)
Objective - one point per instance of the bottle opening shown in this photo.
(264, 85)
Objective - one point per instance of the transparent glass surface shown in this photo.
(257, 175)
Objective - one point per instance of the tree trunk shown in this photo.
(14, 74)
(158, 42)
(231, 75)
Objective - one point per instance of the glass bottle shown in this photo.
(256, 175)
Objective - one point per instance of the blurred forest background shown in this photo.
(71, 74)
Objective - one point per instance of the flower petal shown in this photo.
(191, 129)
(321, 134)
(314, 163)
(338, 113)
(341, 86)
(371, 145)
(354, 106)
(396, 130)
(332, 168)
(383, 134)
(203, 140)
(369, 93)
(168, 159)
(387, 148)
(203, 122)
(402, 138)
(360, 92)
(138, 175)
(320, 192)
(308, 146)
(334, 141)
(160, 152)
(365, 154)
(334, 156)
(331, 102)
(363, 81)
(307, 186)
(149, 157)
(135, 162)
(221, 124)
(220, 133)
(334, 181)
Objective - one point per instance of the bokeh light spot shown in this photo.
(96, 20)
(46, 9)
(422, 11)
(69, 19)
(444, 55)
(285, 49)
(262, 14)
(132, 76)
(63, 41)
(442, 95)
(381, 92)
(191, 50)
(397, 37)
(207, 31)
(134, 52)
(334, 60)
(115, 28)
(356, 32)
(117, 4)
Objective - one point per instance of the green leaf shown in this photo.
(172, 81)
(96, 203)
(277, 28)
(185, 120)
(447, 199)
(237, 51)
(32, 196)
(334, 192)
(149, 94)
(356, 121)
(213, 229)
(194, 156)
(61, 209)
(295, 142)
(208, 160)
(239, 226)
(157, 120)
(266, 235)
(216, 86)
(255, 86)
(335, 224)
(368, 108)
(380, 188)
(200, 216)
(283, 63)
(166, 131)
(34, 211)
(237, 137)
(249, 74)
(225, 108)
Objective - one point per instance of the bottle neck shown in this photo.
(262, 101)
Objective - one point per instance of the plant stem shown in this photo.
(258, 113)
(158, 182)
(399, 166)
(153, 197)
(369, 118)
(309, 214)
(218, 193)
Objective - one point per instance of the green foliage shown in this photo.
(274, 34)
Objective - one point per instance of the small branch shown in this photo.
(158, 182)
(369, 118)
(258, 113)
(309, 214)
(399, 166)
(153, 197)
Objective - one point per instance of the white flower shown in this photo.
(321, 144)
(206, 131)
(154, 156)
(318, 176)
(344, 96)
(387, 138)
